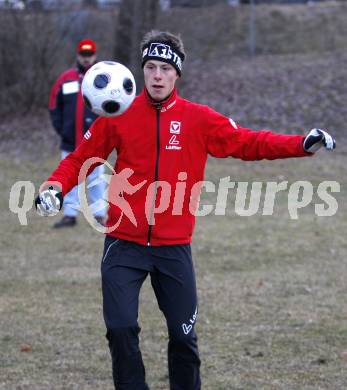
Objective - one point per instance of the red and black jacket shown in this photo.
(167, 143)
(70, 118)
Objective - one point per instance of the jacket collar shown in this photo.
(164, 105)
(82, 69)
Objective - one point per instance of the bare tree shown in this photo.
(32, 62)
(135, 18)
(90, 3)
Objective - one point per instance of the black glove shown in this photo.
(317, 138)
(49, 202)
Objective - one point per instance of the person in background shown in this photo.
(71, 120)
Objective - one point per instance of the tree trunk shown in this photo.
(136, 17)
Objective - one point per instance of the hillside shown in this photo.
(297, 79)
(295, 82)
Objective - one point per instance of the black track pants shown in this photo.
(124, 267)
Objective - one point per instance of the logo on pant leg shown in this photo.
(188, 327)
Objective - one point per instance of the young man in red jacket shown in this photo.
(162, 144)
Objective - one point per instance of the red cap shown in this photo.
(86, 47)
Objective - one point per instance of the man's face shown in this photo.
(86, 61)
(160, 79)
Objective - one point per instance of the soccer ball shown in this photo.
(108, 88)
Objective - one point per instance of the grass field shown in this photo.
(272, 291)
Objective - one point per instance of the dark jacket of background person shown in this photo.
(70, 118)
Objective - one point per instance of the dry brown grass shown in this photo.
(271, 289)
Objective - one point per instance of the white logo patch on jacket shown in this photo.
(175, 129)
(70, 87)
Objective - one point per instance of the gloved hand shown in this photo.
(317, 138)
(49, 202)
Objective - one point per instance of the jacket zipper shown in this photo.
(156, 174)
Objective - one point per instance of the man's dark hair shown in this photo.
(166, 37)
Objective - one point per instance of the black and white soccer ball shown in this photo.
(108, 88)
